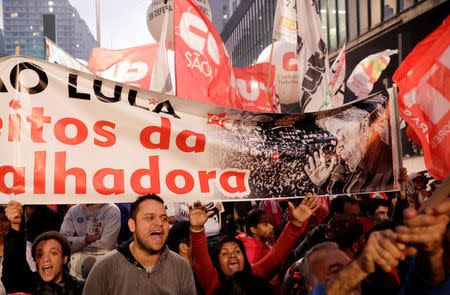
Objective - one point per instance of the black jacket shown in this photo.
(18, 277)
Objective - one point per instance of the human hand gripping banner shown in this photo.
(71, 137)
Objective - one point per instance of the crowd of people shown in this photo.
(389, 243)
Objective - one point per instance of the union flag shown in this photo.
(423, 79)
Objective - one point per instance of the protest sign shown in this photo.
(71, 137)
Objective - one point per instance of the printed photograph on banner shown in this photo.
(348, 150)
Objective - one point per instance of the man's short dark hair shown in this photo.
(254, 217)
(345, 229)
(135, 205)
(179, 233)
(52, 235)
(337, 204)
(373, 204)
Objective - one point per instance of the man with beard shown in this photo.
(364, 155)
(144, 265)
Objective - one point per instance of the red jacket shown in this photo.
(255, 249)
(266, 268)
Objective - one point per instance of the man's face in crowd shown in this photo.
(263, 230)
(50, 260)
(231, 258)
(381, 213)
(151, 227)
(350, 208)
(326, 262)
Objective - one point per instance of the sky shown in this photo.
(123, 22)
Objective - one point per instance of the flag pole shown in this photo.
(97, 12)
(268, 79)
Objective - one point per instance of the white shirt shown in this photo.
(180, 210)
(82, 220)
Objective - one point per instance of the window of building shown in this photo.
(324, 19)
(342, 22)
(332, 26)
(363, 16)
(390, 8)
(352, 12)
(375, 13)
(405, 4)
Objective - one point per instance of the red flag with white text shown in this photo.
(424, 97)
(251, 84)
(202, 67)
(131, 65)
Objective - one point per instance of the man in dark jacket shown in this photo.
(51, 252)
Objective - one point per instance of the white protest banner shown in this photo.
(71, 137)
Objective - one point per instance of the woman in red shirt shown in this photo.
(228, 255)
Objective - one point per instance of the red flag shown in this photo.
(424, 98)
(202, 67)
(251, 83)
(412, 135)
(131, 65)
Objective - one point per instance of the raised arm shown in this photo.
(17, 274)
(203, 266)
(381, 249)
(271, 264)
(427, 232)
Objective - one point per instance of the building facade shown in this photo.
(249, 30)
(2, 41)
(367, 24)
(220, 12)
(23, 26)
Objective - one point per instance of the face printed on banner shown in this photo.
(350, 127)
(231, 258)
(50, 260)
(351, 147)
(151, 227)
